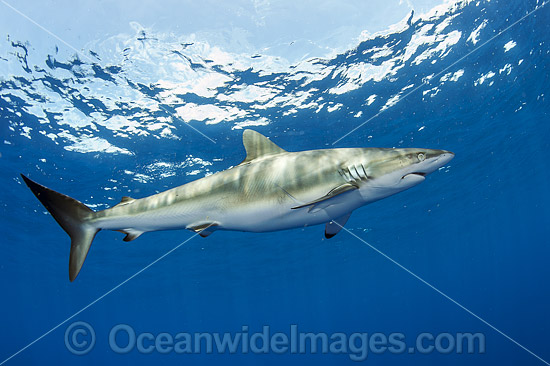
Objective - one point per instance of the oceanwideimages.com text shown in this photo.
(80, 339)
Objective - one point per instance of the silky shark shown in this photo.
(271, 189)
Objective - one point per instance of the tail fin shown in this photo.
(72, 215)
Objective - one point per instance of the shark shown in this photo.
(271, 189)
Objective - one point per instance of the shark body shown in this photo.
(272, 189)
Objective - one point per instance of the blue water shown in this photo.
(477, 229)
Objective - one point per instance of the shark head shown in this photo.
(394, 170)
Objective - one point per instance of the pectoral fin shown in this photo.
(333, 227)
(346, 187)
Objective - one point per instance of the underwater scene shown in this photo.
(229, 196)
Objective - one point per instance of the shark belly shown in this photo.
(267, 216)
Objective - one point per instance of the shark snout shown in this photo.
(434, 160)
(430, 161)
(444, 158)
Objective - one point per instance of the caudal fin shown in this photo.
(73, 216)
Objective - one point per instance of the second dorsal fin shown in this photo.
(257, 145)
(126, 200)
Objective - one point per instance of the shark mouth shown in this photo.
(415, 173)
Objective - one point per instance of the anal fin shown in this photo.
(204, 229)
(333, 227)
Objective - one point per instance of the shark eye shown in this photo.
(421, 157)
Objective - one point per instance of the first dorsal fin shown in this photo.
(257, 145)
